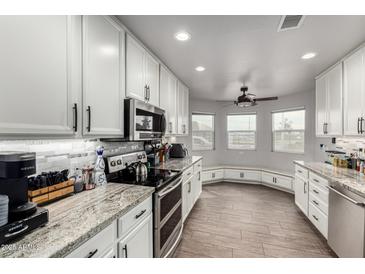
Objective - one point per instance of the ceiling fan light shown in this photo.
(245, 104)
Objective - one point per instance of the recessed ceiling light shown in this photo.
(309, 55)
(200, 68)
(182, 36)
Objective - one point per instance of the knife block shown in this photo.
(51, 193)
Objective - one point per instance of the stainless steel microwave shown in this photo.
(143, 121)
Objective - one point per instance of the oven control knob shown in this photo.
(112, 163)
(119, 162)
(140, 157)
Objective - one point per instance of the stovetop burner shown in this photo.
(156, 177)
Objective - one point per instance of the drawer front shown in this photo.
(267, 178)
(188, 173)
(301, 172)
(284, 182)
(318, 179)
(318, 203)
(198, 166)
(247, 175)
(319, 219)
(98, 245)
(318, 191)
(212, 175)
(134, 217)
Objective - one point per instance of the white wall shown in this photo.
(263, 155)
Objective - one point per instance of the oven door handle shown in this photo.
(168, 190)
(176, 243)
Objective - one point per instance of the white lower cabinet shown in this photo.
(97, 246)
(311, 196)
(277, 180)
(247, 175)
(213, 175)
(139, 242)
(301, 194)
(131, 236)
(191, 188)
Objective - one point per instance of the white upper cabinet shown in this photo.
(103, 92)
(329, 103)
(183, 109)
(136, 86)
(152, 80)
(142, 74)
(354, 94)
(168, 101)
(40, 75)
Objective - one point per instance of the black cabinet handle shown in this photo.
(358, 125)
(315, 202)
(92, 253)
(75, 116)
(125, 248)
(140, 214)
(89, 118)
(315, 217)
(315, 191)
(361, 130)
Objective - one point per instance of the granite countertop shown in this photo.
(179, 164)
(348, 178)
(74, 220)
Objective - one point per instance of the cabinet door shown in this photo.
(139, 242)
(152, 76)
(103, 76)
(185, 200)
(168, 99)
(334, 101)
(301, 194)
(183, 109)
(321, 105)
(40, 74)
(353, 92)
(135, 70)
(197, 186)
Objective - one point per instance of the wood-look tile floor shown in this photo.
(248, 221)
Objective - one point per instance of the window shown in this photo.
(241, 131)
(203, 131)
(288, 131)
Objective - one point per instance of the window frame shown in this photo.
(192, 131)
(283, 130)
(227, 131)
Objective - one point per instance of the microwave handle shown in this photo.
(163, 123)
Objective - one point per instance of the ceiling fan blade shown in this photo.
(266, 98)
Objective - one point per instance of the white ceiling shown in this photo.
(247, 49)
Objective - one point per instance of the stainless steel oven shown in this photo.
(168, 218)
(143, 121)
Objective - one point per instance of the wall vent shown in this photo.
(288, 22)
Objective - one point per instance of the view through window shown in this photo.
(241, 131)
(203, 131)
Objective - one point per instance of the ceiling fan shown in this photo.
(249, 99)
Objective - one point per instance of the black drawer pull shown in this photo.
(315, 202)
(125, 248)
(92, 253)
(314, 216)
(315, 191)
(140, 214)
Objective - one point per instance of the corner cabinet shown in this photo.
(329, 103)
(40, 68)
(354, 94)
(183, 109)
(103, 78)
(142, 73)
(168, 102)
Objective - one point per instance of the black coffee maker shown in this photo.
(15, 167)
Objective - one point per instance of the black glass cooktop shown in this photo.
(156, 178)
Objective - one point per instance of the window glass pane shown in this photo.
(241, 122)
(203, 131)
(289, 141)
(289, 120)
(203, 140)
(241, 139)
(203, 122)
